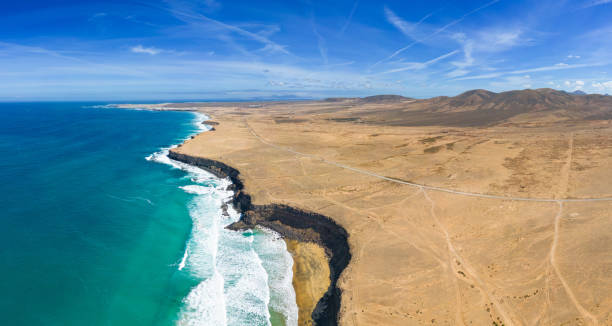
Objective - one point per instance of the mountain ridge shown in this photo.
(479, 108)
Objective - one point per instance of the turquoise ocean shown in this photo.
(99, 227)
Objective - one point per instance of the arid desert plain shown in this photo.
(481, 209)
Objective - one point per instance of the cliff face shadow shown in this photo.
(291, 223)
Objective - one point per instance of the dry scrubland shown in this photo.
(422, 255)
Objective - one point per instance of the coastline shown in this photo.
(432, 234)
(204, 124)
(291, 224)
(313, 284)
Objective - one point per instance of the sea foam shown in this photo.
(242, 275)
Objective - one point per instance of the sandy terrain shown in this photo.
(310, 277)
(448, 224)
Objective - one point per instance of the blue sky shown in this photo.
(216, 49)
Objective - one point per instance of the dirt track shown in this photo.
(506, 223)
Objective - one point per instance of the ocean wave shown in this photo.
(204, 305)
(243, 275)
(277, 261)
(197, 189)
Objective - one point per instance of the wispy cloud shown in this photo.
(195, 18)
(141, 49)
(530, 70)
(467, 61)
(405, 27)
(486, 41)
(596, 3)
(39, 53)
(514, 82)
(422, 65)
(602, 86)
(500, 39)
(402, 25)
(350, 18)
(320, 41)
(19, 48)
(97, 16)
(348, 63)
(212, 5)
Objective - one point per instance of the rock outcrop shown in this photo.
(291, 223)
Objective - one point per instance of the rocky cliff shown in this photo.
(291, 223)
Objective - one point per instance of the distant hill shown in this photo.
(578, 92)
(384, 99)
(338, 99)
(484, 108)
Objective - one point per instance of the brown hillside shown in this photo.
(480, 108)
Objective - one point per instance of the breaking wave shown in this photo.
(242, 275)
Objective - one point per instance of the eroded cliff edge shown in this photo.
(291, 223)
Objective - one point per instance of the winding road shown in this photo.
(421, 186)
(505, 313)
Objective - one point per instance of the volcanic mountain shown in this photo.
(479, 108)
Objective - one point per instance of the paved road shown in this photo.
(421, 186)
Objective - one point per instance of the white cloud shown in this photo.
(457, 73)
(594, 3)
(211, 5)
(350, 18)
(500, 39)
(530, 70)
(574, 85)
(571, 56)
(141, 49)
(514, 82)
(422, 65)
(468, 48)
(603, 86)
(408, 28)
(402, 25)
(196, 19)
(97, 16)
(320, 42)
(486, 41)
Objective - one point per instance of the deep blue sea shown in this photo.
(99, 227)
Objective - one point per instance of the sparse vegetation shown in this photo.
(343, 119)
(289, 120)
(430, 140)
(432, 150)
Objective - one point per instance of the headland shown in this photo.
(484, 208)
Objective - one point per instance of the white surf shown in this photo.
(243, 275)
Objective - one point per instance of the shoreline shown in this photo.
(204, 124)
(311, 258)
(434, 235)
(290, 223)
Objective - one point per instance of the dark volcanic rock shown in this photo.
(291, 223)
